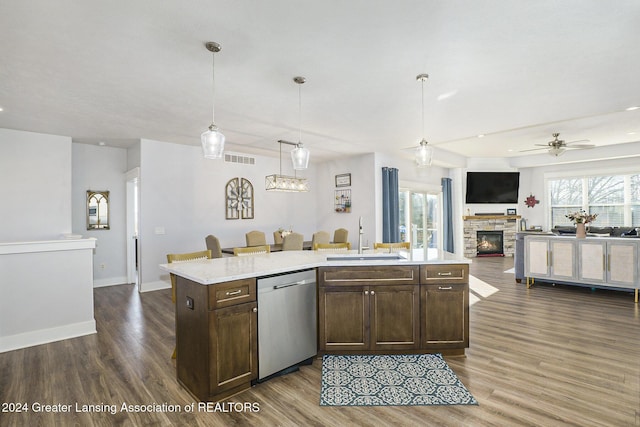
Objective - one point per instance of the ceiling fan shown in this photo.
(558, 146)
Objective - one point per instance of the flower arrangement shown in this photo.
(284, 232)
(581, 217)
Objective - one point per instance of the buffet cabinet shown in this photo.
(216, 337)
(393, 309)
(597, 261)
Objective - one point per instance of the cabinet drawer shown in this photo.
(232, 293)
(369, 275)
(444, 273)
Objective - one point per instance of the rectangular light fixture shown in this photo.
(290, 184)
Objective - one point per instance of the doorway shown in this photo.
(133, 218)
(420, 214)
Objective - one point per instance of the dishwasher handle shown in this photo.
(301, 282)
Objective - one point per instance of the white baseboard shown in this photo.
(44, 336)
(110, 281)
(155, 286)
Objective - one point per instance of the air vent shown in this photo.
(238, 158)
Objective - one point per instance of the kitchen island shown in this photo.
(409, 302)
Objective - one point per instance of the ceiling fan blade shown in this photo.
(580, 146)
(543, 145)
(535, 149)
(579, 140)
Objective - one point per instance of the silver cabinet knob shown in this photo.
(255, 309)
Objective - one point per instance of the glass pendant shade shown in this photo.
(556, 151)
(424, 154)
(300, 157)
(212, 143)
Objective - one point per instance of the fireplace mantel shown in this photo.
(483, 217)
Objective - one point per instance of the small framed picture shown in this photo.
(511, 211)
(343, 180)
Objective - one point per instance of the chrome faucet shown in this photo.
(360, 233)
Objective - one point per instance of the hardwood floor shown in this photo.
(545, 356)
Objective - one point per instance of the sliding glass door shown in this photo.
(420, 218)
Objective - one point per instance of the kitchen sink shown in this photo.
(365, 257)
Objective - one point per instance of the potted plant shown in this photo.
(580, 219)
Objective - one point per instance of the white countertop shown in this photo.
(225, 269)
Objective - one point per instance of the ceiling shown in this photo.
(516, 72)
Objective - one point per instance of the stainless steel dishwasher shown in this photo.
(286, 322)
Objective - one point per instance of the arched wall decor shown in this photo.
(239, 199)
(97, 210)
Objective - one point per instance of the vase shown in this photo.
(581, 231)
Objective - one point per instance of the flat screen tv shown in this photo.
(492, 187)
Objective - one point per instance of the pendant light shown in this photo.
(290, 184)
(424, 153)
(300, 155)
(212, 139)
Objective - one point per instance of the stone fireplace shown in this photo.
(506, 225)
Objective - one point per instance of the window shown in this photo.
(616, 199)
(419, 218)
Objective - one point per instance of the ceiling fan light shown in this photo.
(300, 157)
(556, 151)
(424, 154)
(212, 143)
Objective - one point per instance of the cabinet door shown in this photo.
(621, 263)
(591, 261)
(343, 315)
(536, 261)
(562, 254)
(395, 317)
(233, 347)
(445, 316)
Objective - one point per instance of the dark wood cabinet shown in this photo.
(394, 317)
(445, 316)
(343, 314)
(387, 309)
(368, 309)
(216, 337)
(444, 301)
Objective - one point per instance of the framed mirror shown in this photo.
(97, 210)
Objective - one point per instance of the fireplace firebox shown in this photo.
(490, 243)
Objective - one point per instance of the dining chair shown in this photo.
(341, 235)
(255, 238)
(320, 237)
(332, 247)
(393, 247)
(277, 237)
(186, 257)
(213, 244)
(292, 242)
(252, 250)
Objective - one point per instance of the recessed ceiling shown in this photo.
(515, 72)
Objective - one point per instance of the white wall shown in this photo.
(490, 164)
(363, 190)
(35, 186)
(102, 169)
(47, 292)
(182, 195)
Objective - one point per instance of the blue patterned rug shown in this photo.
(413, 379)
